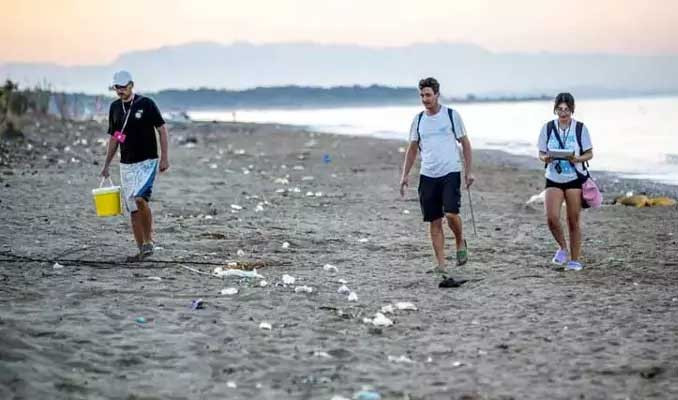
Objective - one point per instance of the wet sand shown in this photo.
(518, 329)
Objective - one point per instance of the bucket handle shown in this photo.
(103, 180)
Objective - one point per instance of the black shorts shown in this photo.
(438, 196)
(575, 184)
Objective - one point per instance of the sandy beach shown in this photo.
(267, 196)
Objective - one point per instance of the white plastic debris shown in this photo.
(259, 208)
(342, 281)
(154, 278)
(232, 264)
(285, 245)
(388, 309)
(281, 181)
(307, 178)
(406, 211)
(288, 279)
(457, 364)
(236, 207)
(318, 194)
(352, 296)
(381, 320)
(537, 198)
(265, 325)
(238, 273)
(321, 354)
(403, 305)
(296, 190)
(298, 168)
(401, 359)
(303, 289)
(231, 385)
(329, 268)
(344, 290)
(57, 266)
(209, 217)
(229, 291)
(263, 283)
(281, 190)
(214, 166)
(239, 152)
(309, 194)
(364, 240)
(240, 253)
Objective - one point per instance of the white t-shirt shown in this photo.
(440, 153)
(569, 138)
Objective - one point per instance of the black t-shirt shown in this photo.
(140, 143)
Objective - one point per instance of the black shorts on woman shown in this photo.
(439, 196)
(573, 184)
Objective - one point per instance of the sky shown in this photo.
(91, 32)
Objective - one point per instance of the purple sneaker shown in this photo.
(574, 266)
(561, 257)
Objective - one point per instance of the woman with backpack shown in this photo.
(565, 147)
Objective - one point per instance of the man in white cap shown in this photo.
(133, 121)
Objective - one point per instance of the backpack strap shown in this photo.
(579, 129)
(421, 114)
(450, 113)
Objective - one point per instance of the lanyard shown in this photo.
(126, 112)
(567, 134)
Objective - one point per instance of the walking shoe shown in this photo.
(574, 266)
(147, 249)
(560, 258)
(462, 255)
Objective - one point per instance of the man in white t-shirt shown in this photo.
(435, 133)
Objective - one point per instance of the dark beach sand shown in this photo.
(519, 329)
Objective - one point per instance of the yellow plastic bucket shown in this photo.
(107, 200)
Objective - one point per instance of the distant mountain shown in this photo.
(461, 68)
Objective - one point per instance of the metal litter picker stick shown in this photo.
(473, 218)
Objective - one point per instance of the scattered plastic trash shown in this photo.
(352, 296)
(240, 253)
(318, 194)
(154, 278)
(406, 211)
(239, 273)
(265, 325)
(326, 158)
(298, 168)
(214, 166)
(303, 289)
(381, 320)
(296, 190)
(537, 198)
(403, 305)
(263, 283)
(364, 240)
(309, 194)
(342, 281)
(239, 152)
(259, 208)
(285, 245)
(321, 354)
(198, 304)
(229, 291)
(329, 268)
(209, 217)
(236, 207)
(401, 359)
(282, 181)
(367, 395)
(288, 279)
(57, 266)
(307, 178)
(429, 360)
(457, 364)
(140, 320)
(231, 385)
(281, 190)
(388, 309)
(343, 289)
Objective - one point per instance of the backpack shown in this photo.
(449, 114)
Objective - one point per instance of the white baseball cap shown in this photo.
(121, 78)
